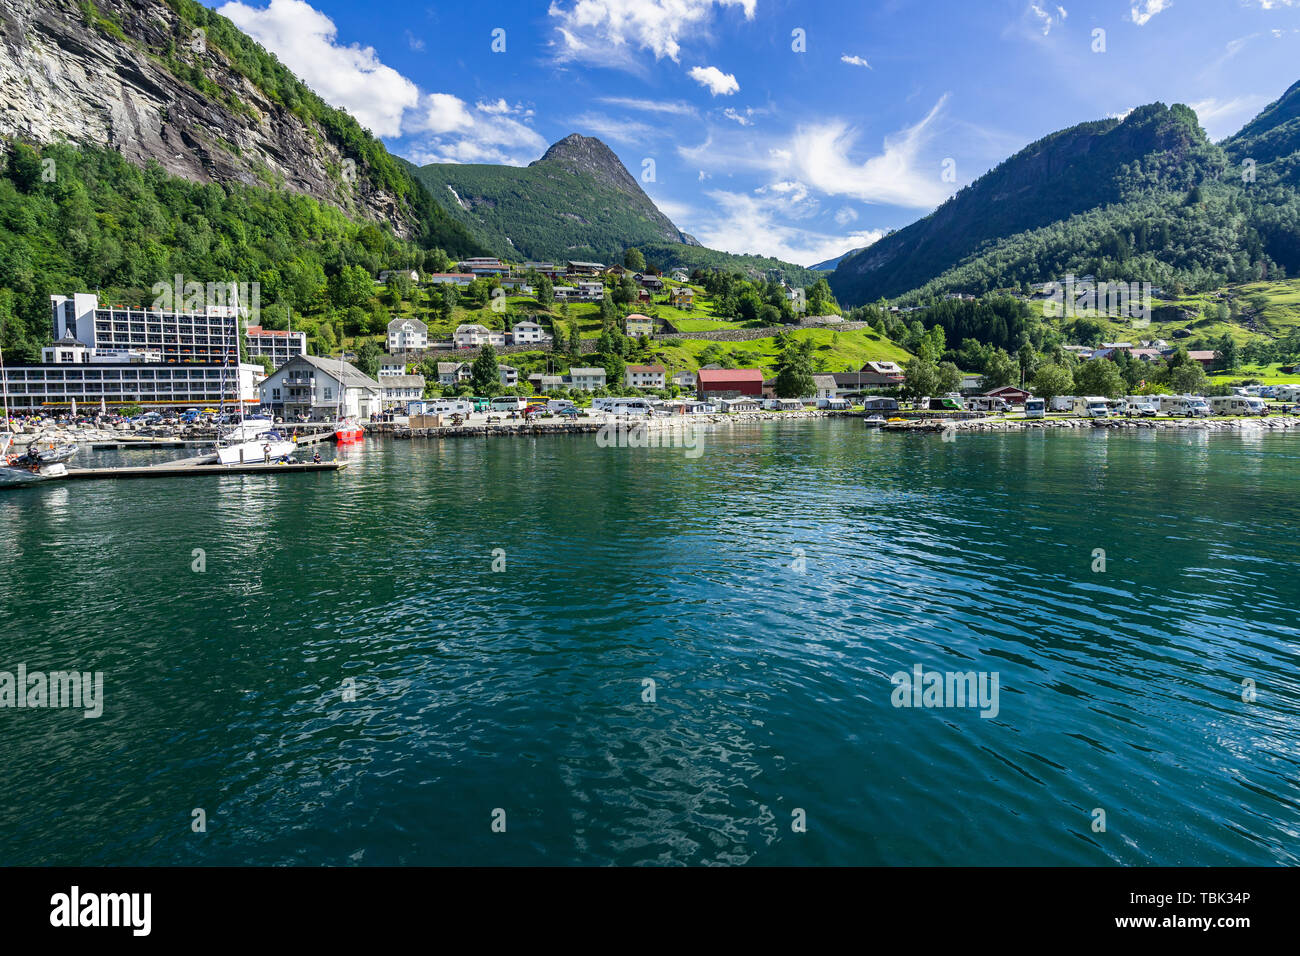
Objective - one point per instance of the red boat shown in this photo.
(348, 433)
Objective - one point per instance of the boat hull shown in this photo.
(349, 436)
(13, 475)
(252, 452)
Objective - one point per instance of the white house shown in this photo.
(411, 274)
(400, 389)
(645, 376)
(527, 332)
(391, 365)
(684, 380)
(407, 334)
(320, 388)
(476, 336)
(509, 375)
(588, 379)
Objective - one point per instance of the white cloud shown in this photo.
(714, 80)
(854, 60)
(602, 31)
(1047, 17)
(619, 130)
(744, 119)
(819, 154)
(1275, 4)
(1222, 118)
(1144, 10)
(845, 215)
(414, 42)
(762, 223)
(453, 133)
(670, 107)
(349, 77)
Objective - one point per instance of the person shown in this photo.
(316, 457)
(266, 453)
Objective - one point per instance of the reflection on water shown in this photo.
(351, 681)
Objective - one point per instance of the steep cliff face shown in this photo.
(140, 77)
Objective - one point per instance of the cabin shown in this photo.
(645, 376)
(1009, 394)
(729, 383)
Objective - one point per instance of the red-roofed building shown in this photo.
(729, 382)
(1204, 357)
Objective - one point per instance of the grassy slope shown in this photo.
(842, 351)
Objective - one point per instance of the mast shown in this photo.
(4, 384)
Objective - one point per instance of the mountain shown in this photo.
(1155, 149)
(576, 202)
(172, 82)
(1272, 140)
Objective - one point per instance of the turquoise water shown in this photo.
(769, 587)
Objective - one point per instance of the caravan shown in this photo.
(1035, 407)
(1144, 406)
(1238, 405)
(1091, 406)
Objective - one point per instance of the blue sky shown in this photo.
(794, 129)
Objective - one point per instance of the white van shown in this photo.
(633, 407)
(1144, 406)
(1035, 408)
(448, 406)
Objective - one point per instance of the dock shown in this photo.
(191, 468)
(311, 438)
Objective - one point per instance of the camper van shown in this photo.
(1237, 405)
(623, 406)
(1035, 408)
(1144, 406)
(1287, 393)
(988, 403)
(1091, 406)
(446, 406)
(1187, 406)
(1062, 403)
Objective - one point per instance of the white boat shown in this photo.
(247, 429)
(13, 475)
(267, 447)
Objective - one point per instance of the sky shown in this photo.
(799, 130)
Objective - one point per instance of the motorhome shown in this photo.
(623, 406)
(560, 406)
(1062, 403)
(1237, 405)
(1198, 406)
(443, 406)
(1035, 408)
(1091, 406)
(1186, 406)
(987, 403)
(1287, 393)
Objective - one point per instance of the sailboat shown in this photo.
(27, 468)
(250, 440)
(347, 431)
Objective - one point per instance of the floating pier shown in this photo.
(190, 468)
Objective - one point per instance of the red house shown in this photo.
(1009, 394)
(729, 382)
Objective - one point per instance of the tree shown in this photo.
(368, 358)
(1099, 377)
(1050, 381)
(1000, 369)
(947, 378)
(920, 378)
(350, 286)
(634, 260)
(1188, 379)
(545, 290)
(794, 376)
(1227, 355)
(484, 374)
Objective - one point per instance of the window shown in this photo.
(275, 394)
(329, 393)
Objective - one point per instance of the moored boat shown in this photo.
(348, 432)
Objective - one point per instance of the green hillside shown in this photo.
(1148, 198)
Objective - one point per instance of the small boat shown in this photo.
(875, 421)
(27, 468)
(266, 447)
(56, 453)
(348, 432)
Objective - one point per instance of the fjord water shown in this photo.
(769, 587)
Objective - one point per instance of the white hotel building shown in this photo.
(134, 356)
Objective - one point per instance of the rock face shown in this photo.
(108, 73)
